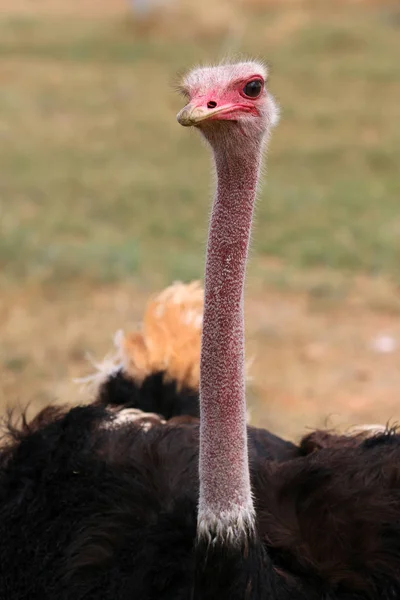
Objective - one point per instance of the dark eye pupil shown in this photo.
(253, 88)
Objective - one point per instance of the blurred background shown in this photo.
(104, 199)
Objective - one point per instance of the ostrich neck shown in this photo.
(225, 504)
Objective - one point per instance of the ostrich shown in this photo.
(177, 511)
(155, 368)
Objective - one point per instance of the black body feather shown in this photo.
(88, 513)
(155, 394)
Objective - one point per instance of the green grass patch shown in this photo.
(99, 182)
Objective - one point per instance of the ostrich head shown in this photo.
(229, 103)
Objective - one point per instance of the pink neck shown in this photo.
(225, 495)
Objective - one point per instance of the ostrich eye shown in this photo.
(253, 88)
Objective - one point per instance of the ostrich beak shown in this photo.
(193, 115)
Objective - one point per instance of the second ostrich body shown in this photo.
(155, 368)
(176, 511)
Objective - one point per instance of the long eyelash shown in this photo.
(180, 89)
(177, 85)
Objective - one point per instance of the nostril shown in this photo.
(211, 104)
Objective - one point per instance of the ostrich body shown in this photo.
(155, 368)
(173, 511)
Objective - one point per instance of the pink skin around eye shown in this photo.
(236, 97)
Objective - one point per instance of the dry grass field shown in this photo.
(104, 198)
